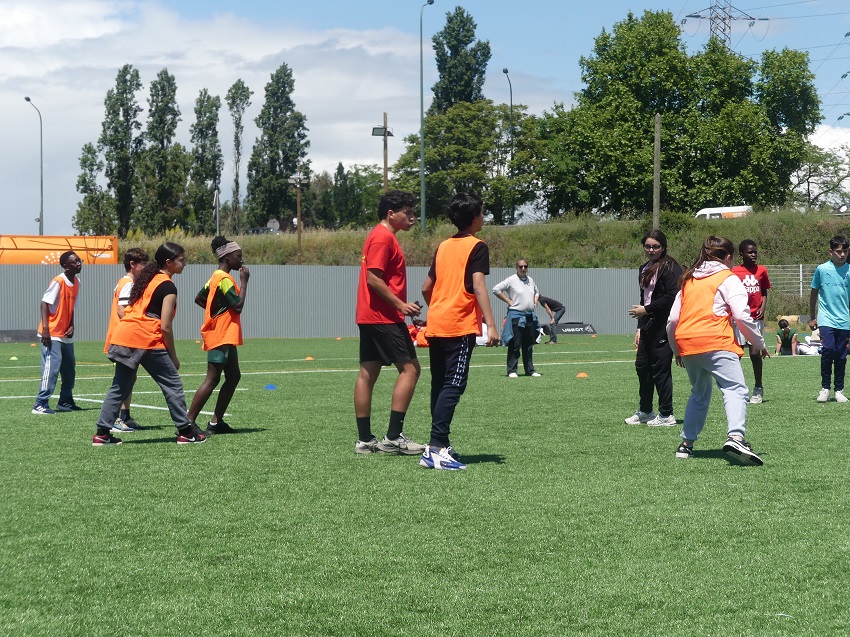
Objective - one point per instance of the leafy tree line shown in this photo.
(734, 131)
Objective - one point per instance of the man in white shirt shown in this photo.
(521, 325)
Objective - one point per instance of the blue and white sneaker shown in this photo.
(121, 426)
(42, 410)
(439, 459)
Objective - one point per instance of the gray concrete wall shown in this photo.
(307, 301)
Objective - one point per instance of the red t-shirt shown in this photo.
(381, 252)
(756, 282)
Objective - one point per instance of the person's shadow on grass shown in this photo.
(171, 439)
(480, 458)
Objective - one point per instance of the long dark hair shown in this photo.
(713, 249)
(166, 251)
(666, 262)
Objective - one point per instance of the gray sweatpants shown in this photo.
(725, 369)
(159, 365)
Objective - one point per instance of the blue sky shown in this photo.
(351, 62)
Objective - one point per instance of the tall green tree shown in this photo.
(278, 152)
(238, 100)
(822, 182)
(729, 136)
(96, 212)
(207, 162)
(163, 173)
(461, 62)
(120, 142)
(468, 148)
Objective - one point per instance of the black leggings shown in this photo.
(654, 369)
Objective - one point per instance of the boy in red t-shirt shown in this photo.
(755, 280)
(384, 340)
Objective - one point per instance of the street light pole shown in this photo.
(41, 162)
(422, 120)
(383, 131)
(296, 179)
(511, 168)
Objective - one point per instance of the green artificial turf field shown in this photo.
(566, 522)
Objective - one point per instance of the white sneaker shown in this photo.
(823, 396)
(758, 396)
(840, 397)
(536, 374)
(640, 418)
(663, 421)
(513, 375)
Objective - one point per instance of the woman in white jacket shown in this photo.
(701, 335)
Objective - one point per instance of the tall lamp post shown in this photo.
(422, 120)
(383, 131)
(511, 168)
(298, 178)
(41, 162)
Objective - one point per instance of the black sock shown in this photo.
(396, 424)
(364, 429)
(103, 431)
(125, 414)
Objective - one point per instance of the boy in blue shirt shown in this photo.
(830, 296)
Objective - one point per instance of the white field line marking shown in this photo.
(288, 372)
(135, 393)
(491, 352)
(138, 406)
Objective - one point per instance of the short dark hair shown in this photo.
(783, 324)
(63, 258)
(838, 241)
(395, 200)
(136, 255)
(463, 208)
(745, 244)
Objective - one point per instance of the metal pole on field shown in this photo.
(656, 176)
(41, 164)
(422, 120)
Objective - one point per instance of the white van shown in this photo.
(724, 212)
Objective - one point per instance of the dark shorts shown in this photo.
(220, 355)
(390, 344)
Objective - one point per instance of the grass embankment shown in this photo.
(583, 242)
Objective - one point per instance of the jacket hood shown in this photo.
(708, 268)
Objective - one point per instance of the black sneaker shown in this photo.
(684, 451)
(72, 406)
(219, 427)
(739, 451)
(105, 440)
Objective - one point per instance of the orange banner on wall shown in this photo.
(35, 249)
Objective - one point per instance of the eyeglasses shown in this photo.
(652, 248)
(522, 267)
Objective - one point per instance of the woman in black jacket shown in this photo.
(659, 282)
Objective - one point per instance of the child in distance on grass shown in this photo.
(56, 331)
(757, 283)
(135, 260)
(786, 340)
(457, 297)
(223, 302)
(700, 332)
(830, 298)
(145, 337)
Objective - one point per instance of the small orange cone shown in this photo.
(339, 338)
(582, 375)
(593, 336)
(197, 341)
(309, 358)
(32, 344)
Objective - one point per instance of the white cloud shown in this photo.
(66, 56)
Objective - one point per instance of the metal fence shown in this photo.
(318, 301)
(791, 279)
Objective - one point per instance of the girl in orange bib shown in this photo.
(223, 302)
(700, 332)
(145, 337)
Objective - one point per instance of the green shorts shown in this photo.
(220, 355)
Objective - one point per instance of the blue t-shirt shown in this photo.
(833, 286)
